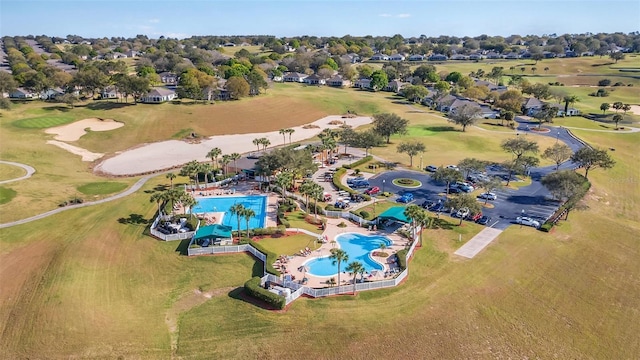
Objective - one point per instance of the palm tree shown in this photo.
(290, 132)
(206, 169)
(213, 154)
(226, 159)
(257, 143)
(306, 189)
(265, 143)
(188, 201)
(316, 193)
(157, 198)
(190, 169)
(173, 195)
(237, 210)
(171, 176)
(533, 70)
(331, 282)
(248, 214)
(283, 132)
(412, 212)
(569, 100)
(284, 180)
(235, 157)
(338, 256)
(355, 268)
(422, 219)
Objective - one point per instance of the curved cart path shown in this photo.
(127, 192)
(30, 171)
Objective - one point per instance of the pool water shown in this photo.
(258, 203)
(357, 246)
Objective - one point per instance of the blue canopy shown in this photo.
(215, 231)
(395, 213)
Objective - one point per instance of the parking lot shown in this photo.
(532, 201)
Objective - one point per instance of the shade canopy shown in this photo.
(395, 213)
(215, 231)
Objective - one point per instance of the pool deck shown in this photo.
(293, 266)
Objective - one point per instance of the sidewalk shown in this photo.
(478, 242)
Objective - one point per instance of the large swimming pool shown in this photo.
(222, 204)
(357, 246)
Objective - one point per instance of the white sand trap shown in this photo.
(635, 109)
(75, 130)
(167, 154)
(86, 154)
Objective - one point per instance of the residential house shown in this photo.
(21, 93)
(548, 54)
(132, 53)
(395, 86)
(109, 93)
(531, 106)
(397, 57)
(379, 57)
(355, 58)
(475, 56)
(451, 104)
(491, 86)
(314, 80)
(444, 103)
(158, 95)
(168, 78)
(362, 84)
(570, 111)
(51, 94)
(493, 55)
(294, 77)
(437, 57)
(338, 81)
(459, 57)
(417, 57)
(512, 55)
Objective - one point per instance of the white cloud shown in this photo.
(400, 16)
(153, 21)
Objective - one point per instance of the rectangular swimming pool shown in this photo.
(258, 203)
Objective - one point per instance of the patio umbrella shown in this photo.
(375, 273)
(304, 269)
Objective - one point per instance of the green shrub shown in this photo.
(402, 258)
(336, 181)
(342, 225)
(253, 289)
(358, 163)
(546, 227)
(284, 222)
(271, 256)
(364, 214)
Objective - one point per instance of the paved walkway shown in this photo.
(30, 171)
(478, 242)
(127, 192)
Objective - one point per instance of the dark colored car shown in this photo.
(431, 168)
(484, 220)
(454, 190)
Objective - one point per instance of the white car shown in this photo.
(527, 221)
(452, 167)
(462, 213)
(488, 196)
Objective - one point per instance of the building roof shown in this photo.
(532, 102)
(213, 231)
(161, 92)
(295, 74)
(395, 213)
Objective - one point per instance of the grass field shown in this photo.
(102, 188)
(8, 172)
(87, 283)
(6, 195)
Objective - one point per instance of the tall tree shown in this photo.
(566, 186)
(469, 165)
(463, 201)
(379, 80)
(226, 159)
(238, 87)
(411, 148)
(355, 268)
(519, 146)
(290, 132)
(248, 214)
(412, 212)
(171, 176)
(368, 139)
(338, 256)
(388, 124)
(604, 107)
(616, 119)
(235, 157)
(447, 176)
(558, 153)
(618, 55)
(284, 180)
(283, 132)
(569, 100)
(7, 84)
(465, 115)
(213, 154)
(591, 158)
(237, 209)
(494, 183)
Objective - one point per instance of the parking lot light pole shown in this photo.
(383, 181)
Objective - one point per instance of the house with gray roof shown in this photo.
(338, 81)
(395, 86)
(417, 57)
(158, 95)
(294, 77)
(437, 57)
(362, 84)
(379, 57)
(397, 57)
(21, 93)
(531, 105)
(314, 80)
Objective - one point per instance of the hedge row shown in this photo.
(358, 163)
(253, 288)
(271, 256)
(337, 176)
(402, 258)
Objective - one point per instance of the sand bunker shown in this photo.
(86, 154)
(74, 131)
(635, 109)
(167, 154)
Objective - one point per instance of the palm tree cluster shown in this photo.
(264, 142)
(419, 217)
(242, 212)
(284, 132)
(173, 196)
(193, 168)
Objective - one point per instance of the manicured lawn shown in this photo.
(8, 172)
(380, 207)
(102, 188)
(297, 220)
(405, 182)
(44, 122)
(88, 283)
(291, 244)
(6, 195)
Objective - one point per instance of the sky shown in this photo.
(282, 18)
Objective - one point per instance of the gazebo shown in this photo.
(215, 234)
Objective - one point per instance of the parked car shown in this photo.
(372, 190)
(453, 190)
(431, 168)
(326, 197)
(462, 213)
(427, 204)
(452, 167)
(354, 179)
(484, 220)
(406, 198)
(488, 196)
(360, 184)
(357, 198)
(474, 217)
(527, 221)
(438, 207)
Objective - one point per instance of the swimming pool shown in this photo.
(258, 203)
(357, 246)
